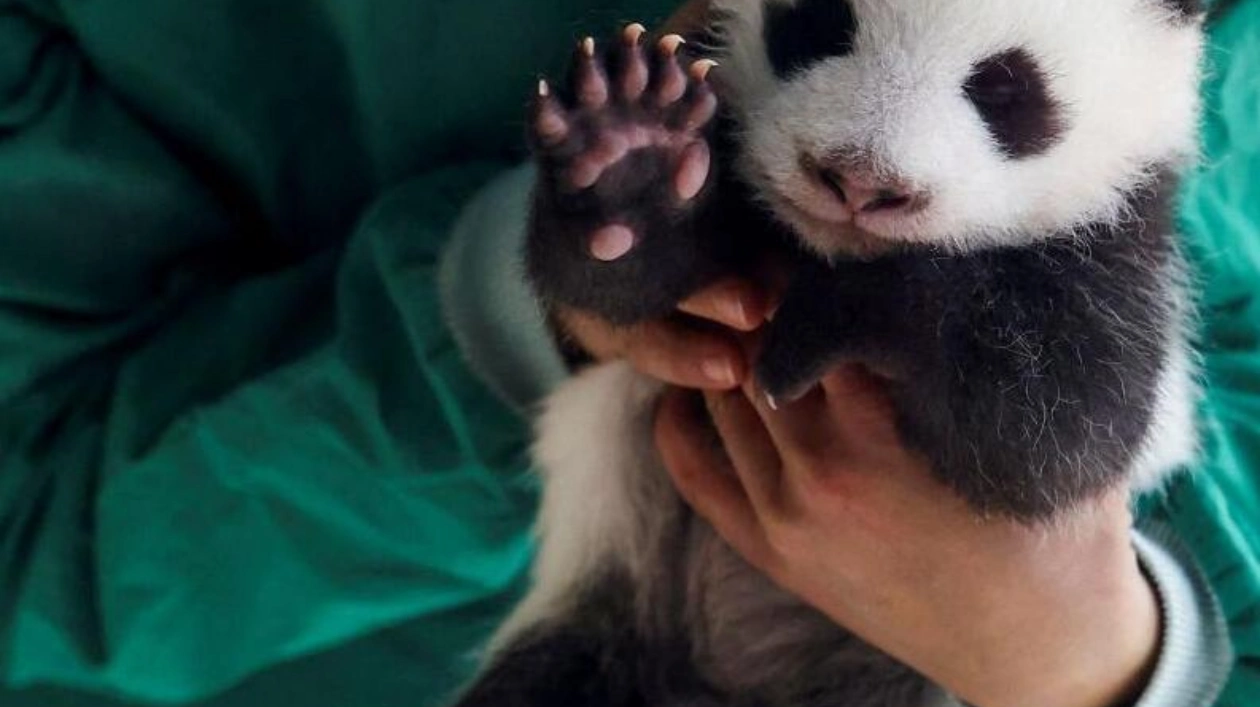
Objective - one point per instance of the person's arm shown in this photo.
(490, 308)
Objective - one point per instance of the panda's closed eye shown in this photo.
(801, 34)
(1012, 95)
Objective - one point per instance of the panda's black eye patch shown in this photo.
(1185, 9)
(1012, 94)
(800, 35)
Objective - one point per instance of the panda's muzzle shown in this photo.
(863, 189)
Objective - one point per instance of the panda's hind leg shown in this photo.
(624, 161)
(569, 664)
(592, 655)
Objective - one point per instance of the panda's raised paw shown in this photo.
(620, 101)
(625, 176)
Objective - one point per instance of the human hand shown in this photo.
(825, 499)
(696, 350)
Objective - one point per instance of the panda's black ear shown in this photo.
(702, 23)
(1186, 10)
(708, 38)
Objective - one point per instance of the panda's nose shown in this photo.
(868, 194)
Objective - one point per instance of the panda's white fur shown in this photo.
(592, 508)
(1126, 73)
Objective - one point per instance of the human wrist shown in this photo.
(1098, 644)
(1126, 650)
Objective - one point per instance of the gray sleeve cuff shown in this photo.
(487, 301)
(1196, 655)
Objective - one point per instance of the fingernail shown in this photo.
(719, 370)
(737, 312)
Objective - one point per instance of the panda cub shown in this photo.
(975, 199)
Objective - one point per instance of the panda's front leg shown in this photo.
(835, 314)
(625, 167)
(1010, 377)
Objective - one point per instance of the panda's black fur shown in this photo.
(1187, 9)
(798, 36)
(1029, 373)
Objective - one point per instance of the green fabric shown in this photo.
(238, 448)
(241, 462)
(1217, 510)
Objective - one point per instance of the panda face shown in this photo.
(873, 124)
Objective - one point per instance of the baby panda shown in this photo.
(975, 197)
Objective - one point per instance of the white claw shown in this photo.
(544, 90)
(671, 42)
(634, 32)
(700, 70)
(772, 402)
(588, 46)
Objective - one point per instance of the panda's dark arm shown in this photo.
(1027, 376)
(1054, 362)
(832, 314)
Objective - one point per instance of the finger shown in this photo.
(551, 124)
(876, 459)
(701, 478)
(602, 340)
(858, 401)
(751, 451)
(693, 171)
(799, 429)
(670, 82)
(856, 382)
(588, 76)
(736, 303)
(686, 356)
(700, 104)
(633, 63)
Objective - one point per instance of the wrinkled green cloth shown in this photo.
(242, 463)
(234, 430)
(1217, 509)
